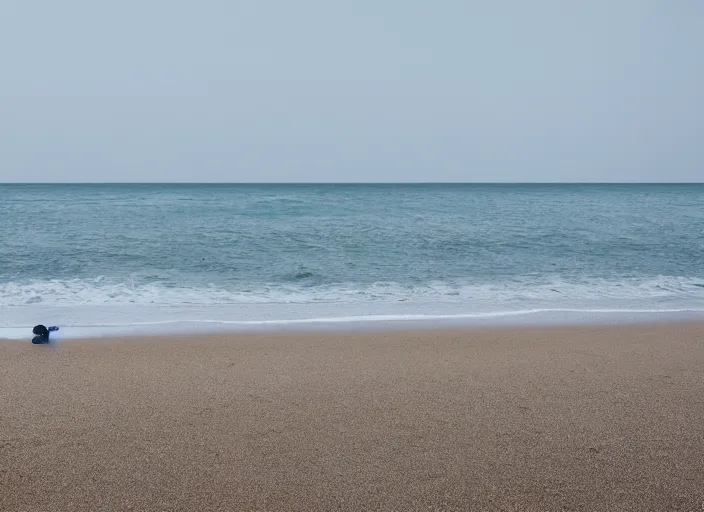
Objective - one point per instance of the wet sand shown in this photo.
(579, 418)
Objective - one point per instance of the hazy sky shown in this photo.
(364, 90)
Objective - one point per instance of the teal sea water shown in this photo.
(101, 258)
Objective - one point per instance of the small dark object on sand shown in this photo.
(42, 334)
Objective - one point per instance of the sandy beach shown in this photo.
(579, 418)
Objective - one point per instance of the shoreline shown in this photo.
(379, 323)
(540, 418)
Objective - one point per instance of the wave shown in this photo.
(526, 290)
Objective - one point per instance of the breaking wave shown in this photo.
(555, 289)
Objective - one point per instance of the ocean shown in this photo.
(129, 258)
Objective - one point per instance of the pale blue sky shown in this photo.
(314, 90)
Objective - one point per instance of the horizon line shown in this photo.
(351, 182)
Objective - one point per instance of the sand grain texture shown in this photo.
(582, 418)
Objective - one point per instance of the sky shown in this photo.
(369, 90)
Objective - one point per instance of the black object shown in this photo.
(42, 334)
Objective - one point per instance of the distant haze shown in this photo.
(323, 91)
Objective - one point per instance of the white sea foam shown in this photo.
(102, 308)
(100, 291)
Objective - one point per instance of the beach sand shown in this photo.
(578, 418)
